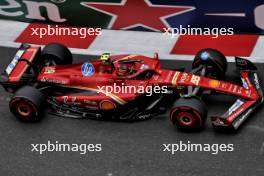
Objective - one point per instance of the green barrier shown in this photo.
(67, 12)
(155, 15)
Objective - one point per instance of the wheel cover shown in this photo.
(186, 117)
(24, 109)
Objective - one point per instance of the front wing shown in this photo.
(242, 108)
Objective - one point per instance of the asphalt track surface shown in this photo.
(128, 148)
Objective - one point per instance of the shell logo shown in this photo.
(214, 83)
(107, 105)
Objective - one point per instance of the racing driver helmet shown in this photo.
(105, 58)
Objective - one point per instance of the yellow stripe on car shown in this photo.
(175, 77)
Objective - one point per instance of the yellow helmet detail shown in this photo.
(105, 57)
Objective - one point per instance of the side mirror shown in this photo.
(156, 56)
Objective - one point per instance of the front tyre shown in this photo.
(27, 104)
(214, 61)
(188, 114)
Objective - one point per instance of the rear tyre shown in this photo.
(188, 114)
(27, 104)
(214, 60)
(56, 54)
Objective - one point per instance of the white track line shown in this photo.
(259, 48)
(122, 42)
(162, 56)
(132, 42)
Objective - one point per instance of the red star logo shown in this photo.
(133, 13)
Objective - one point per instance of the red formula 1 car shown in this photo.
(47, 78)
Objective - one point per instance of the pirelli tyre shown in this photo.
(214, 60)
(55, 54)
(189, 114)
(27, 104)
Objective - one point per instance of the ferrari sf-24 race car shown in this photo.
(47, 78)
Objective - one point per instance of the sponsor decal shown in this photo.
(55, 81)
(230, 87)
(156, 77)
(88, 69)
(224, 85)
(143, 117)
(185, 77)
(241, 62)
(107, 105)
(65, 99)
(214, 83)
(195, 79)
(175, 77)
(91, 107)
(70, 100)
(90, 102)
(218, 121)
(49, 70)
(236, 113)
(240, 90)
(244, 83)
(32, 11)
(248, 92)
(205, 55)
(242, 119)
(248, 82)
(43, 79)
(234, 89)
(256, 81)
(235, 106)
(168, 77)
(14, 62)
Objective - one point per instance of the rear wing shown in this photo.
(19, 65)
(241, 109)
